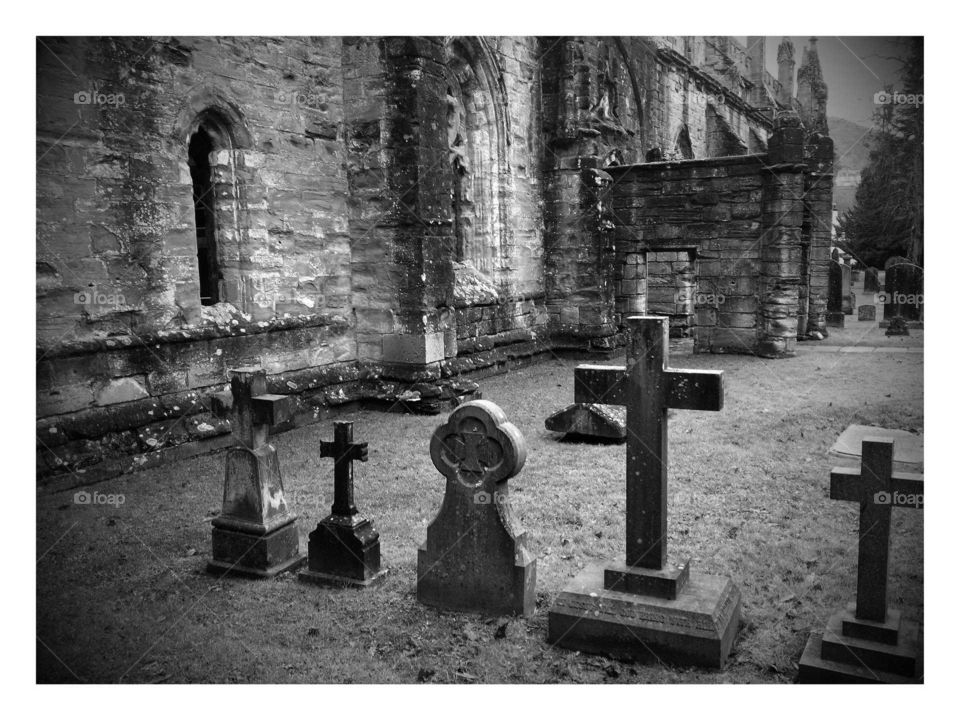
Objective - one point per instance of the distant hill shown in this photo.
(852, 148)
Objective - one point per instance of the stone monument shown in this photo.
(256, 532)
(648, 607)
(345, 547)
(475, 558)
(869, 642)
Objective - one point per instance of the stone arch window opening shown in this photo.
(211, 153)
(683, 147)
(199, 151)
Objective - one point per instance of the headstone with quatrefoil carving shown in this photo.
(475, 558)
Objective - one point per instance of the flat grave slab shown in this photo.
(908, 448)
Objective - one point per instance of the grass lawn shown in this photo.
(122, 592)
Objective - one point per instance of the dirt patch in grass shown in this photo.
(122, 594)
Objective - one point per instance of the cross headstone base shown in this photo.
(851, 650)
(238, 552)
(344, 552)
(243, 546)
(698, 627)
(667, 583)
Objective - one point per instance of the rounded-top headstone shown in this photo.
(475, 558)
(478, 447)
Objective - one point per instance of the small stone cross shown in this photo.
(344, 451)
(251, 409)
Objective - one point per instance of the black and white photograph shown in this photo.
(560, 354)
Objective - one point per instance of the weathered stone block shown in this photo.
(413, 349)
(122, 390)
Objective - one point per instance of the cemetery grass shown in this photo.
(123, 596)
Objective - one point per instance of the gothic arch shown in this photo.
(634, 86)
(479, 147)
(682, 146)
(210, 106)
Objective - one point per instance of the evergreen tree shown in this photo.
(887, 216)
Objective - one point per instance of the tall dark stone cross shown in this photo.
(345, 547)
(255, 533)
(649, 388)
(868, 641)
(645, 606)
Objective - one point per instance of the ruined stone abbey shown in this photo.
(387, 219)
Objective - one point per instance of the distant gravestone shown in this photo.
(897, 326)
(868, 641)
(867, 313)
(345, 547)
(871, 280)
(475, 558)
(836, 294)
(903, 290)
(256, 532)
(647, 607)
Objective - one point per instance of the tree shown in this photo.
(887, 216)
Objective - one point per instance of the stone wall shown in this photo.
(391, 217)
(736, 238)
(707, 210)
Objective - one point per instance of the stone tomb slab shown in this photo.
(908, 448)
(696, 628)
(590, 420)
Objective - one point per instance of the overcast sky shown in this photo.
(854, 68)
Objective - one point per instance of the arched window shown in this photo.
(201, 173)
(214, 140)
(683, 148)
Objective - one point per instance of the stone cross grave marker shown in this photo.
(345, 547)
(255, 533)
(646, 606)
(475, 558)
(868, 641)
